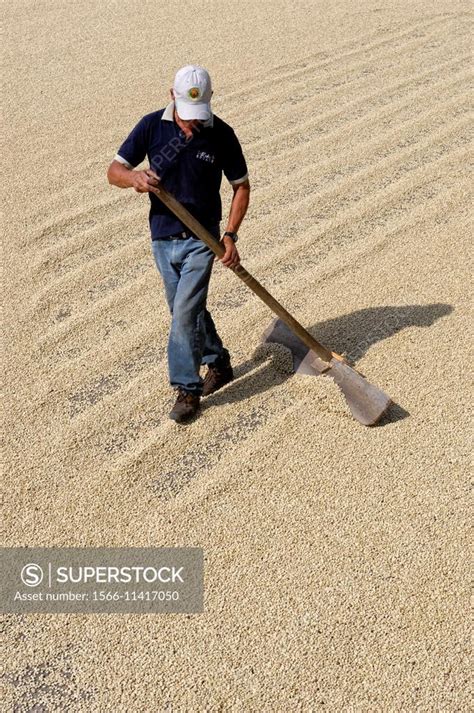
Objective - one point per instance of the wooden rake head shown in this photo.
(367, 402)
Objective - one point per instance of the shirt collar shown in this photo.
(168, 115)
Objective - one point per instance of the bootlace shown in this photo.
(183, 396)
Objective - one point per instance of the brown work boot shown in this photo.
(185, 407)
(218, 375)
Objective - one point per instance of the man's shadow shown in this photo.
(350, 334)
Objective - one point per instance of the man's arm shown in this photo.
(238, 209)
(239, 205)
(123, 177)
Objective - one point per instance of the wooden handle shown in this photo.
(197, 229)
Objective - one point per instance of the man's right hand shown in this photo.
(144, 181)
(124, 177)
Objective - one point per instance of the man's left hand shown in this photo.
(231, 256)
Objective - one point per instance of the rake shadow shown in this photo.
(350, 334)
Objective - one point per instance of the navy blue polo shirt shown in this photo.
(190, 169)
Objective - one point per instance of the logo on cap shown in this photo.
(194, 93)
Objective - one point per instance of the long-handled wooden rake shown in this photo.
(366, 402)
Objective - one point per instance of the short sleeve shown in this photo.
(234, 165)
(134, 148)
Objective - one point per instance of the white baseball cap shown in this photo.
(192, 92)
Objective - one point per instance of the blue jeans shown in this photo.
(185, 266)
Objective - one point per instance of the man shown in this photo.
(188, 148)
